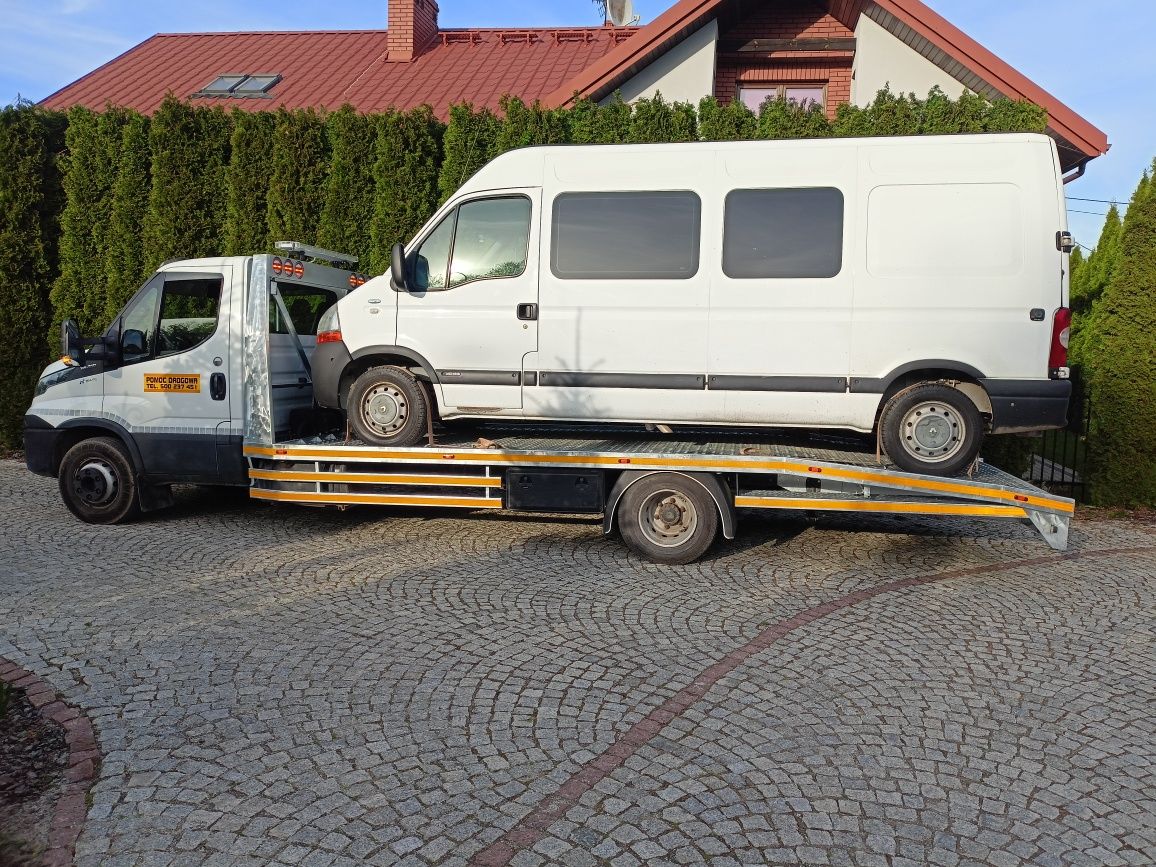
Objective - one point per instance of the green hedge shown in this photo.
(119, 193)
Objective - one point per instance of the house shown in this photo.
(825, 51)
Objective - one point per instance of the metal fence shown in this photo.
(1060, 461)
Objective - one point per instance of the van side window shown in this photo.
(138, 324)
(189, 311)
(305, 305)
(783, 234)
(491, 240)
(626, 236)
(430, 261)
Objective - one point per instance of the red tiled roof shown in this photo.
(686, 16)
(329, 69)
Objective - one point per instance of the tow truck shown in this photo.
(205, 378)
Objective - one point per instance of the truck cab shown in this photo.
(159, 398)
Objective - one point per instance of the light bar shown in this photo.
(317, 254)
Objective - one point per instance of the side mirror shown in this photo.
(133, 343)
(397, 267)
(71, 346)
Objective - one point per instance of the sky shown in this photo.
(1096, 57)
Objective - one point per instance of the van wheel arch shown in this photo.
(76, 432)
(963, 378)
(385, 356)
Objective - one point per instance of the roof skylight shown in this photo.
(232, 85)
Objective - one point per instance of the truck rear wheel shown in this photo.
(98, 482)
(668, 518)
(387, 407)
(932, 429)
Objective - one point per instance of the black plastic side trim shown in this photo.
(419, 360)
(530, 379)
(1022, 406)
(40, 446)
(329, 362)
(113, 428)
(675, 381)
(867, 385)
(480, 377)
(825, 384)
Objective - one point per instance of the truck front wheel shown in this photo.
(668, 518)
(931, 428)
(387, 407)
(98, 483)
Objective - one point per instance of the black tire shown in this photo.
(98, 482)
(387, 406)
(682, 537)
(931, 429)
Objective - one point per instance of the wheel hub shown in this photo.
(933, 432)
(385, 409)
(668, 518)
(95, 483)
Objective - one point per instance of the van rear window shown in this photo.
(626, 236)
(783, 234)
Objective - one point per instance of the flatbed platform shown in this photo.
(469, 467)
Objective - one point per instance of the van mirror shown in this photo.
(71, 346)
(133, 343)
(397, 266)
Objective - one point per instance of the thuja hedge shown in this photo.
(118, 193)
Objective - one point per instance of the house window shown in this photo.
(233, 85)
(754, 95)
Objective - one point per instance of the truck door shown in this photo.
(472, 306)
(172, 389)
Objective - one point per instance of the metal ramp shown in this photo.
(764, 470)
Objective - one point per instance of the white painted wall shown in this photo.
(881, 59)
(683, 74)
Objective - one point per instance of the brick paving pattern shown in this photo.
(294, 686)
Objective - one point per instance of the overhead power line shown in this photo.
(1120, 202)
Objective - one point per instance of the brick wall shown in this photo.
(413, 26)
(744, 20)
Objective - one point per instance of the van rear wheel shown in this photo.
(668, 518)
(931, 429)
(98, 482)
(387, 407)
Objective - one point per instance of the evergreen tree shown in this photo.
(730, 121)
(187, 202)
(92, 143)
(888, 114)
(1087, 287)
(1122, 357)
(31, 201)
(470, 140)
(783, 118)
(1007, 115)
(247, 181)
(297, 181)
(939, 114)
(405, 179)
(657, 121)
(124, 261)
(527, 125)
(591, 123)
(347, 216)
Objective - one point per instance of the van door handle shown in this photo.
(528, 312)
(217, 386)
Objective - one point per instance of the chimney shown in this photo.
(413, 25)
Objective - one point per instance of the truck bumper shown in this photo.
(40, 440)
(1022, 406)
(329, 362)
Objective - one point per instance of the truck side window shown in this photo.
(189, 311)
(429, 263)
(138, 324)
(491, 240)
(784, 234)
(305, 305)
(626, 236)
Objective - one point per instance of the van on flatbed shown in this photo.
(206, 378)
(914, 287)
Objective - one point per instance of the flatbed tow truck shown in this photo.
(669, 495)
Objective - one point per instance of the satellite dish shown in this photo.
(621, 13)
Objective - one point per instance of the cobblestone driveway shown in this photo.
(294, 686)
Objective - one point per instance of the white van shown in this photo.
(914, 286)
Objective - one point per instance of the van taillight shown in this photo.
(1061, 332)
(329, 337)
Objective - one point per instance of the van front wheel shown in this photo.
(931, 429)
(98, 483)
(387, 407)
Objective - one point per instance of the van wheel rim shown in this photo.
(94, 483)
(668, 518)
(384, 409)
(933, 433)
